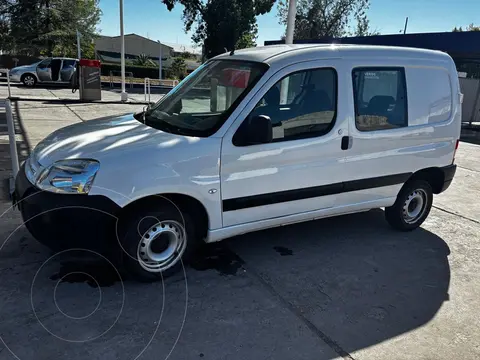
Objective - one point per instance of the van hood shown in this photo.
(101, 138)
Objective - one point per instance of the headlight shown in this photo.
(68, 176)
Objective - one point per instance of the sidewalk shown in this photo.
(40, 92)
(44, 110)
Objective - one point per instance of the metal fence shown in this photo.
(147, 90)
(471, 100)
(7, 71)
(6, 105)
(114, 74)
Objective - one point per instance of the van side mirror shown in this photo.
(254, 131)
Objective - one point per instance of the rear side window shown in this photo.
(380, 96)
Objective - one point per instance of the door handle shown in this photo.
(345, 142)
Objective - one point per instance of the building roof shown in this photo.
(183, 48)
(270, 54)
(135, 36)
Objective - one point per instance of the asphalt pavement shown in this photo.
(340, 288)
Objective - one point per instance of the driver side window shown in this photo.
(45, 64)
(301, 105)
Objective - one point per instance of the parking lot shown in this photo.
(341, 288)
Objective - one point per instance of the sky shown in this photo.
(150, 18)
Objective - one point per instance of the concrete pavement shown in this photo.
(346, 287)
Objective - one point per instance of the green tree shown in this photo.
(220, 24)
(247, 40)
(332, 18)
(188, 55)
(49, 27)
(470, 27)
(6, 40)
(178, 69)
(144, 60)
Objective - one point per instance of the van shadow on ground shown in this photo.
(349, 281)
(352, 277)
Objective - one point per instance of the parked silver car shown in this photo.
(51, 70)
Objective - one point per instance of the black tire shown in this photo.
(133, 228)
(399, 215)
(29, 80)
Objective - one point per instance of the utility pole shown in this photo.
(123, 95)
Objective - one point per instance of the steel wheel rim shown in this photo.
(170, 237)
(415, 206)
(29, 80)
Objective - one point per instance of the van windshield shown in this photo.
(202, 102)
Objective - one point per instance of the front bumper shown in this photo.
(63, 221)
(15, 78)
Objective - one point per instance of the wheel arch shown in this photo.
(435, 176)
(29, 73)
(182, 201)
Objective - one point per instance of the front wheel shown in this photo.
(29, 80)
(412, 206)
(157, 240)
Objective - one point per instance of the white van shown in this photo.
(253, 139)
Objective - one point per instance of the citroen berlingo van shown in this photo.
(252, 139)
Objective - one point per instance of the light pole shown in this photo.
(124, 95)
(160, 61)
(292, 11)
(79, 48)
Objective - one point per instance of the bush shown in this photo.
(179, 68)
(138, 71)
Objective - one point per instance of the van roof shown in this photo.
(272, 53)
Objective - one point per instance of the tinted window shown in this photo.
(68, 63)
(301, 105)
(380, 98)
(45, 63)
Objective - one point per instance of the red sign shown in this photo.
(235, 78)
(90, 63)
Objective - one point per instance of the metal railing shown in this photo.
(7, 71)
(5, 103)
(147, 90)
(171, 83)
(127, 74)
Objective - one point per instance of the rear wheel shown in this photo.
(157, 240)
(29, 80)
(412, 206)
